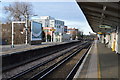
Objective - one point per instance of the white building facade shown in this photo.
(58, 25)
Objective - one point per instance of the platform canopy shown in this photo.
(102, 15)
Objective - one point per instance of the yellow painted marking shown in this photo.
(99, 73)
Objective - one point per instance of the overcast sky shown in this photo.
(65, 11)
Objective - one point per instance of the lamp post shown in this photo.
(26, 25)
(12, 46)
(26, 29)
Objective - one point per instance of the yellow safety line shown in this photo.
(99, 73)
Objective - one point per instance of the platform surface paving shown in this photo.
(100, 64)
(108, 62)
(6, 49)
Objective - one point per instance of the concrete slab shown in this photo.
(108, 62)
(101, 64)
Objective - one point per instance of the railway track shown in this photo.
(42, 64)
(37, 54)
(41, 58)
(63, 69)
(42, 70)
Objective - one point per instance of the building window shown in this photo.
(55, 21)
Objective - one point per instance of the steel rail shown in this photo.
(38, 65)
(76, 67)
(41, 56)
(45, 72)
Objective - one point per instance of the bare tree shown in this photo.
(18, 10)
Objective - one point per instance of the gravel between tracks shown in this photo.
(32, 73)
(62, 71)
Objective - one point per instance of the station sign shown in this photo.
(104, 26)
(103, 32)
(52, 29)
(99, 32)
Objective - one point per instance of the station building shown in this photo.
(55, 28)
(73, 33)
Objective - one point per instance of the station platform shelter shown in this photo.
(100, 64)
(103, 17)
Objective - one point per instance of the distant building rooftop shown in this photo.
(46, 17)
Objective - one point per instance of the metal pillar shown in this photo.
(46, 37)
(51, 36)
(60, 37)
(12, 46)
(118, 41)
(26, 40)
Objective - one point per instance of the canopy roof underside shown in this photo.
(101, 13)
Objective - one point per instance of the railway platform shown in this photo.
(6, 49)
(100, 63)
(22, 54)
